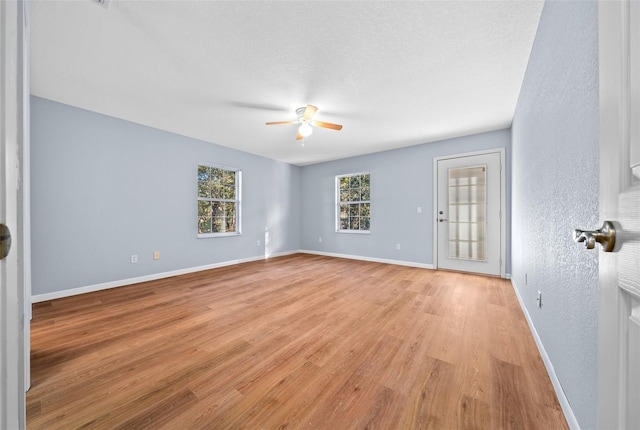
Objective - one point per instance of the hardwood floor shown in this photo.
(296, 342)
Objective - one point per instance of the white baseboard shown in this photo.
(123, 282)
(373, 259)
(557, 386)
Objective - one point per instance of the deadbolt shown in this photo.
(5, 241)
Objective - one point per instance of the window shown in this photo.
(353, 195)
(218, 201)
(467, 203)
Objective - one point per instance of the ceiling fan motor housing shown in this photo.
(300, 113)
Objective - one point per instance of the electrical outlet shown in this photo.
(156, 255)
(397, 246)
(320, 239)
(419, 209)
(134, 259)
(539, 299)
(258, 242)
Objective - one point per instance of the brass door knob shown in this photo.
(605, 236)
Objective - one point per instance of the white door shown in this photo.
(12, 388)
(619, 271)
(468, 208)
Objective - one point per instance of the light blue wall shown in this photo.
(401, 180)
(555, 190)
(104, 189)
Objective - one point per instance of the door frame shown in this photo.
(503, 227)
(12, 297)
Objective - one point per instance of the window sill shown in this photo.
(354, 231)
(214, 235)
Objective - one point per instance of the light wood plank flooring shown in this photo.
(296, 342)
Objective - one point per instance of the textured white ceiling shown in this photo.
(394, 73)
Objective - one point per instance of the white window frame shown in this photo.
(237, 201)
(338, 202)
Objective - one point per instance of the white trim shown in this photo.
(372, 259)
(155, 276)
(557, 386)
(214, 235)
(26, 193)
(503, 203)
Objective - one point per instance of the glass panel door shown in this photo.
(467, 209)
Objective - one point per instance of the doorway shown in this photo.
(469, 229)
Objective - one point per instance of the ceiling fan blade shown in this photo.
(299, 136)
(282, 122)
(309, 111)
(326, 125)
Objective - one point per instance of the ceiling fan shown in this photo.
(305, 119)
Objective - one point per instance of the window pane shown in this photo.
(229, 192)
(354, 223)
(203, 173)
(344, 211)
(365, 209)
(218, 224)
(353, 210)
(203, 182)
(344, 195)
(354, 181)
(229, 177)
(218, 209)
(463, 213)
(216, 175)
(344, 224)
(204, 208)
(216, 191)
(344, 183)
(364, 180)
(231, 224)
(364, 223)
(354, 195)
(230, 209)
(204, 225)
(365, 194)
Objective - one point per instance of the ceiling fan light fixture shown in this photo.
(305, 130)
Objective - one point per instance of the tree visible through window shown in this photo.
(353, 196)
(218, 201)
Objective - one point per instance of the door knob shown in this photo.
(605, 236)
(5, 241)
(442, 220)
